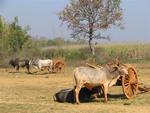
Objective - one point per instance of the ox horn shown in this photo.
(117, 62)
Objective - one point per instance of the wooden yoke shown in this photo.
(93, 66)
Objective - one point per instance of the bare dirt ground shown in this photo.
(33, 93)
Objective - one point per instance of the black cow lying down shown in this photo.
(17, 63)
(67, 95)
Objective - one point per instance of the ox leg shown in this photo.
(17, 68)
(77, 90)
(50, 69)
(105, 93)
(28, 69)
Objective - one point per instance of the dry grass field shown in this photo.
(33, 93)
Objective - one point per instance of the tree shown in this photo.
(4, 31)
(1, 31)
(1, 26)
(17, 36)
(86, 18)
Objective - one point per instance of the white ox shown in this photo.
(91, 77)
(43, 63)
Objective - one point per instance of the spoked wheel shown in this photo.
(58, 66)
(130, 83)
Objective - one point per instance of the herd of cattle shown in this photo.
(41, 64)
(88, 81)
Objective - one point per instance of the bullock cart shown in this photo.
(58, 66)
(128, 82)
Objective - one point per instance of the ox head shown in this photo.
(122, 69)
(118, 68)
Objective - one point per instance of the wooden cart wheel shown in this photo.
(58, 66)
(130, 83)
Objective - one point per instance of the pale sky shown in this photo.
(41, 16)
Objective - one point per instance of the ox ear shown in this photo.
(117, 61)
(113, 69)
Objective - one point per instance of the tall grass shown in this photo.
(104, 53)
(129, 52)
